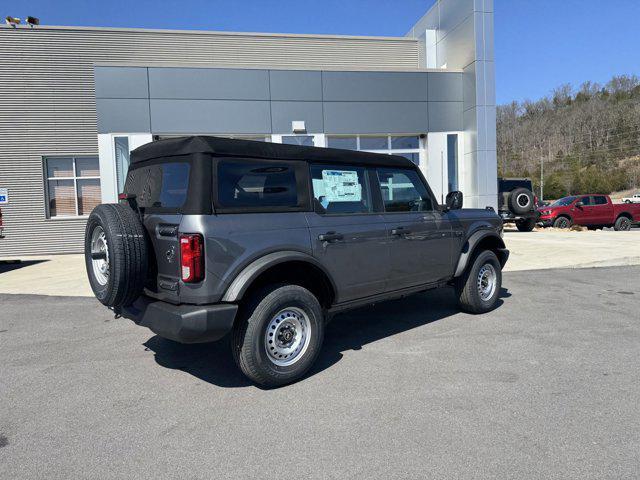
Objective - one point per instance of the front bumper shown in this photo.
(546, 221)
(182, 323)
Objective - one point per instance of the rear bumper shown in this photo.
(182, 323)
(508, 216)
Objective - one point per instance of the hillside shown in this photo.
(587, 140)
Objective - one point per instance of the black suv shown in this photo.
(267, 241)
(517, 203)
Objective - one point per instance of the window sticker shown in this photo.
(341, 186)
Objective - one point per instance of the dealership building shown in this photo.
(76, 101)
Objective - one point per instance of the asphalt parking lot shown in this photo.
(546, 386)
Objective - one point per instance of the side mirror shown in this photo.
(453, 201)
(579, 204)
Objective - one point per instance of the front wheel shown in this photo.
(478, 289)
(562, 222)
(279, 335)
(623, 224)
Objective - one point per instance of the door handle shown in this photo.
(331, 237)
(400, 231)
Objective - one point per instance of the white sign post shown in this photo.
(4, 196)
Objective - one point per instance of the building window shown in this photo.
(407, 146)
(121, 148)
(72, 186)
(452, 162)
(305, 140)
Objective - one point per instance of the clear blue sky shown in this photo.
(540, 44)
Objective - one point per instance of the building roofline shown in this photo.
(254, 67)
(205, 32)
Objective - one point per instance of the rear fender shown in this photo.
(245, 278)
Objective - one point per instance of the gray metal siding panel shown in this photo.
(210, 116)
(283, 113)
(374, 86)
(375, 117)
(208, 84)
(295, 85)
(123, 115)
(121, 82)
(49, 100)
(445, 116)
(445, 87)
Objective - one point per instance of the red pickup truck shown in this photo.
(593, 211)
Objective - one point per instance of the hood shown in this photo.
(549, 208)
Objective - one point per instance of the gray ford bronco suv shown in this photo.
(266, 242)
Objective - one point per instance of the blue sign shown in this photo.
(4, 196)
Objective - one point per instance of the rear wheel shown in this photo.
(562, 222)
(525, 224)
(623, 224)
(478, 289)
(279, 335)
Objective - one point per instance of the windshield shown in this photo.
(563, 202)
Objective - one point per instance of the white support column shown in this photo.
(106, 153)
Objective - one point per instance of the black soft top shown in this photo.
(227, 147)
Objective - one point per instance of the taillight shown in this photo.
(191, 257)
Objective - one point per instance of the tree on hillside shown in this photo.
(584, 137)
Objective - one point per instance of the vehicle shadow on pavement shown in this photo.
(210, 362)
(7, 266)
(355, 329)
(213, 363)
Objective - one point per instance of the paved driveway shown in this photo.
(545, 386)
(66, 274)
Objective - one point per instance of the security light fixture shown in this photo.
(298, 126)
(33, 21)
(13, 21)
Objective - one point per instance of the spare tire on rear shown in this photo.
(521, 201)
(116, 254)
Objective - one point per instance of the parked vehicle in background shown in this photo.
(517, 203)
(267, 241)
(633, 199)
(593, 211)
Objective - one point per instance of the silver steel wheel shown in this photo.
(487, 281)
(287, 336)
(100, 256)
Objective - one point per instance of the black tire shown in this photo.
(521, 201)
(562, 222)
(623, 224)
(525, 224)
(250, 344)
(126, 254)
(467, 286)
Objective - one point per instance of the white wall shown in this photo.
(458, 34)
(106, 152)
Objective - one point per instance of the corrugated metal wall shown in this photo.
(47, 104)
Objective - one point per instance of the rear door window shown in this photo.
(256, 185)
(164, 185)
(600, 200)
(341, 189)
